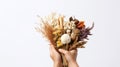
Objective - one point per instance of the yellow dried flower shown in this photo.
(57, 32)
(59, 44)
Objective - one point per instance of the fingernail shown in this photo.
(60, 49)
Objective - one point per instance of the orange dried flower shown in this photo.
(81, 25)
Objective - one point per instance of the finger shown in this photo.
(50, 47)
(63, 51)
(74, 51)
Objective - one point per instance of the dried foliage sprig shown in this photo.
(47, 30)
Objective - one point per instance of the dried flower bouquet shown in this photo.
(63, 34)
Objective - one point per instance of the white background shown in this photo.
(22, 46)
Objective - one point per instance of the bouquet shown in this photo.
(65, 34)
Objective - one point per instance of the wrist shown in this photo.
(73, 64)
(57, 64)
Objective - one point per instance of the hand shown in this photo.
(70, 57)
(55, 57)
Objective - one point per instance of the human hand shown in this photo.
(55, 57)
(70, 57)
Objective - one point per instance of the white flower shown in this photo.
(68, 30)
(65, 39)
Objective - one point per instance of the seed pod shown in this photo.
(65, 39)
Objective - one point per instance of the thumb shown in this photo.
(63, 51)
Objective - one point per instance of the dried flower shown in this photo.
(65, 39)
(81, 25)
(59, 44)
